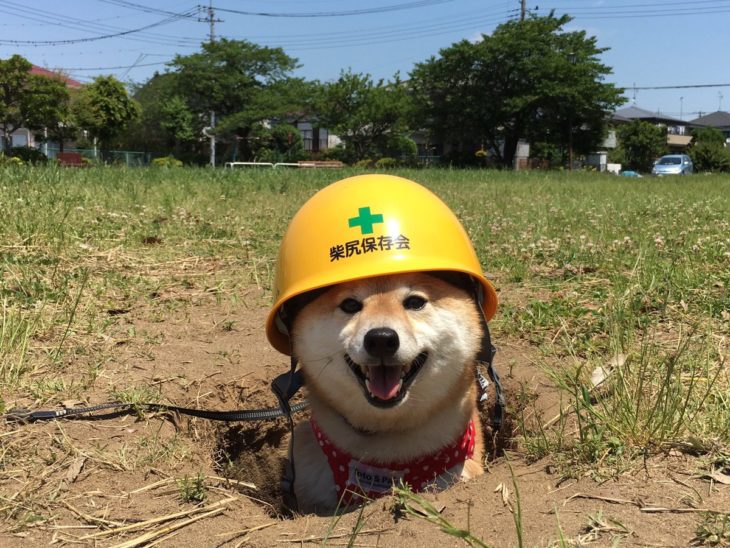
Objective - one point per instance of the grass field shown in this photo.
(621, 278)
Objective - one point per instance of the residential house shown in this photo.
(678, 131)
(315, 139)
(719, 120)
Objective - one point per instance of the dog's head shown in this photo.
(391, 347)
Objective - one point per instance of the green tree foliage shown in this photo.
(368, 116)
(104, 109)
(28, 100)
(243, 83)
(641, 143)
(708, 150)
(528, 80)
(281, 143)
(228, 75)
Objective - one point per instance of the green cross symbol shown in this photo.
(365, 220)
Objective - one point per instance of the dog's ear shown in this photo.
(293, 306)
(457, 279)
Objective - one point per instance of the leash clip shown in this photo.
(25, 415)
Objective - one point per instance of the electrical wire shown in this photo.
(394, 35)
(89, 38)
(44, 16)
(664, 9)
(137, 7)
(363, 11)
(686, 86)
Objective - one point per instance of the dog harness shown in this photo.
(357, 479)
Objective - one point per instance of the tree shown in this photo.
(239, 81)
(29, 100)
(228, 74)
(640, 143)
(528, 80)
(708, 150)
(178, 121)
(368, 116)
(105, 108)
(243, 83)
(158, 130)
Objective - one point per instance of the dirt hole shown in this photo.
(257, 452)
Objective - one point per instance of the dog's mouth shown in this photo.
(386, 385)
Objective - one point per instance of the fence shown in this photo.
(120, 157)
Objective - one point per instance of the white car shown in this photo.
(673, 164)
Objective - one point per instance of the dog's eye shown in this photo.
(414, 302)
(350, 306)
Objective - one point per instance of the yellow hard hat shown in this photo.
(366, 226)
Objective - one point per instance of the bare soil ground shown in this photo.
(100, 482)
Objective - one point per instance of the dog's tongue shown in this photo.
(384, 381)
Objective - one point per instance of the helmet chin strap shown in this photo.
(486, 356)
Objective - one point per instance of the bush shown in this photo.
(341, 153)
(29, 155)
(167, 161)
(364, 164)
(400, 146)
(641, 143)
(14, 161)
(708, 156)
(386, 163)
(708, 150)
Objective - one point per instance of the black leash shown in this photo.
(285, 409)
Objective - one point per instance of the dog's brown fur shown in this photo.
(437, 405)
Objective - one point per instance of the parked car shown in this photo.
(673, 164)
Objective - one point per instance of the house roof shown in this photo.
(70, 82)
(634, 112)
(716, 119)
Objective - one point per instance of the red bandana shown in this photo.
(370, 479)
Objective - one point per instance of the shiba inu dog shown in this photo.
(381, 298)
(389, 366)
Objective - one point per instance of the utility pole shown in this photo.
(211, 20)
(523, 10)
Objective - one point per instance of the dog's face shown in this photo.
(392, 348)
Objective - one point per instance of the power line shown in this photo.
(364, 11)
(664, 9)
(685, 86)
(395, 34)
(634, 5)
(137, 7)
(81, 69)
(44, 16)
(94, 38)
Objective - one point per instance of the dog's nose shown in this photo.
(381, 342)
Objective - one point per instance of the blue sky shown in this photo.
(652, 43)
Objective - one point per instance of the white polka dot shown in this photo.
(456, 453)
(321, 443)
(342, 468)
(425, 468)
(334, 453)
